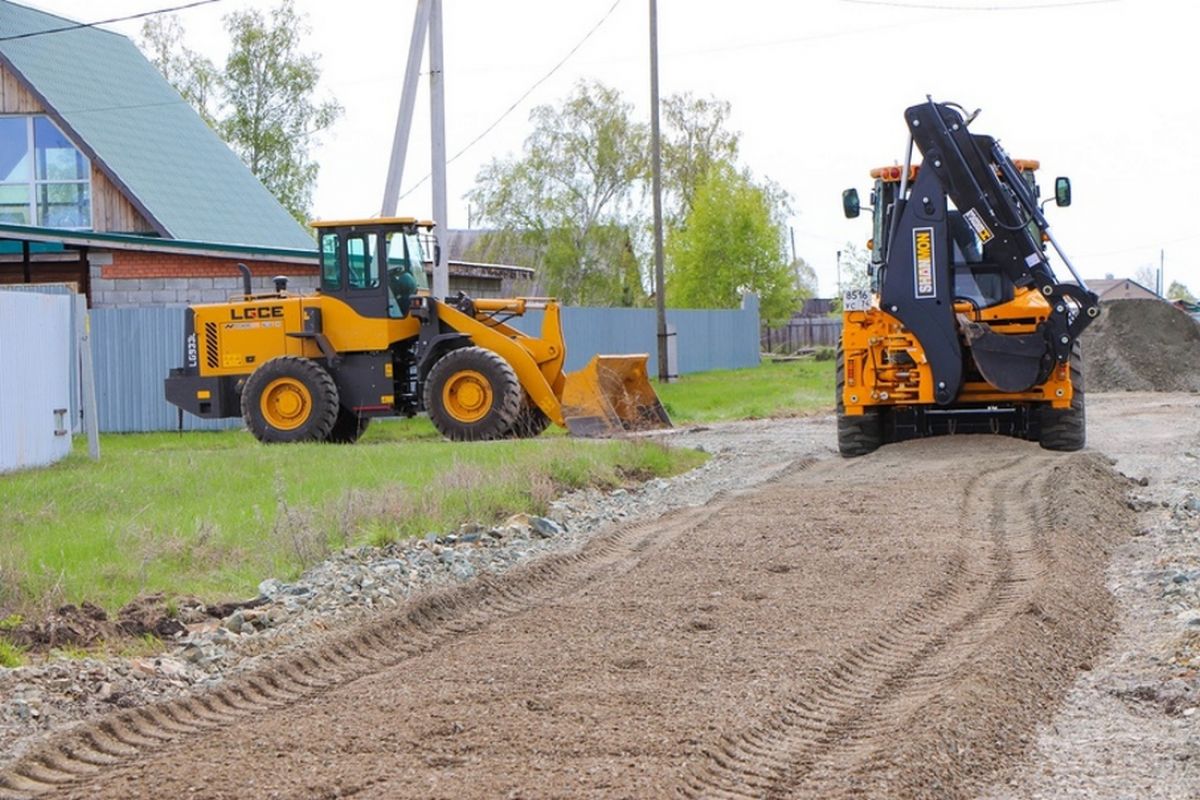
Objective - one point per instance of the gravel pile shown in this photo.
(1142, 345)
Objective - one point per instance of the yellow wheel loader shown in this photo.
(372, 342)
(964, 328)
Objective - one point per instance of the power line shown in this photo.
(942, 7)
(78, 25)
(520, 99)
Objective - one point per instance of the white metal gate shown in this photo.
(35, 379)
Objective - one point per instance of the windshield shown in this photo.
(404, 253)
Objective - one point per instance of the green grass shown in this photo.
(772, 389)
(11, 655)
(213, 513)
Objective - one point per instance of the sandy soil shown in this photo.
(1129, 729)
(906, 624)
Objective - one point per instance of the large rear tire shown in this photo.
(857, 435)
(472, 394)
(348, 428)
(290, 399)
(1066, 430)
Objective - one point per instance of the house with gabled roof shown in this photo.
(111, 182)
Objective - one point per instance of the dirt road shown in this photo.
(891, 626)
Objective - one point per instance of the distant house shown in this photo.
(111, 182)
(1120, 289)
(816, 307)
(482, 271)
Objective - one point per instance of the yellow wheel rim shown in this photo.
(467, 396)
(286, 404)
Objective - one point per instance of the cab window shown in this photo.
(362, 263)
(331, 271)
(405, 272)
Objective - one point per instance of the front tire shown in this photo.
(472, 394)
(1066, 430)
(857, 435)
(290, 399)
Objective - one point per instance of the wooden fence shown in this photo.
(801, 333)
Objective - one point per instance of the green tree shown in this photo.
(806, 278)
(852, 272)
(1177, 291)
(731, 242)
(571, 197)
(694, 139)
(852, 268)
(1147, 276)
(262, 102)
(273, 121)
(193, 76)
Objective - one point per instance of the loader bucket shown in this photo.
(610, 395)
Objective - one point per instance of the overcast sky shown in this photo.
(1100, 91)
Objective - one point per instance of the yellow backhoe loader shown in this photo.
(372, 342)
(965, 328)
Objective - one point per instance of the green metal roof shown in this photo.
(55, 238)
(118, 108)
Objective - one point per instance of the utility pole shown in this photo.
(437, 105)
(839, 273)
(660, 300)
(426, 22)
(1162, 254)
(408, 99)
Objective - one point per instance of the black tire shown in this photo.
(472, 394)
(348, 428)
(531, 420)
(1066, 430)
(857, 435)
(290, 399)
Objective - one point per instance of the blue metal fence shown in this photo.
(706, 339)
(135, 348)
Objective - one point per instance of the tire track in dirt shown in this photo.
(838, 719)
(831, 740)
(425, 625)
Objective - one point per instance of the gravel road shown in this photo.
(960, 617)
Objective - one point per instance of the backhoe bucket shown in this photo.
(610, 395)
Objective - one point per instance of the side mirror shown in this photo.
(1062, 191)
(850, 204)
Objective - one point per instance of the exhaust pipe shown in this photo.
(248, 289)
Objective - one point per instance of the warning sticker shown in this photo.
(979, 226)
(923, 263)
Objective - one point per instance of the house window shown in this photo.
(44, 179)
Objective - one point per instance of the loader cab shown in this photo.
(975, 280)
(375, 266)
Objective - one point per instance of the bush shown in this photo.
(825, 353)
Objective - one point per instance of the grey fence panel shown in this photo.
(35, 379)
(135, 348)
(706, 339)
(716, 339)
(133, 351)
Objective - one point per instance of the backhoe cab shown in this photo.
(373, 342)
(965, 327)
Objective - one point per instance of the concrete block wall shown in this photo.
(124, 278)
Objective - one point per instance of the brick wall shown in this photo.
(126, 278)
